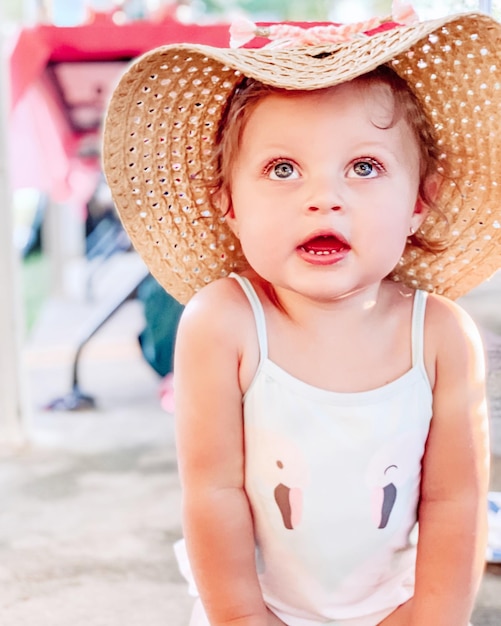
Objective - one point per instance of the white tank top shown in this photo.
(333, 481)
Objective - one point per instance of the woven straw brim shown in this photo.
(162, 121)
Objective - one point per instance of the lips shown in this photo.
(324, 245)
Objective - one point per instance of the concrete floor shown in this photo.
(93, 498)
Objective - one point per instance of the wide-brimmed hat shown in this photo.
(163, 118)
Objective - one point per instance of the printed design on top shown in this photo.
(283, 472)
(285, 475)
(392, 466)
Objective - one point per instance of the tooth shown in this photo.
(318, 252)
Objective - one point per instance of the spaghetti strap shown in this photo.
(418, 315)
(257, 309)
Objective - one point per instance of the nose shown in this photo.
(336, 207)
(324, 194)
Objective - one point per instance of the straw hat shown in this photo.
(163, 118)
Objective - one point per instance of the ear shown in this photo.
(421, 209)
(418, 216)
(222, 201)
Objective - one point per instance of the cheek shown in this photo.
(383, 233)
(256, 219)
(391, 212)
(255, 238)
(262, 243)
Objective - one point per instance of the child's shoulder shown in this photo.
(221, 306)
(224, 292)
(443, 311)
(450, 326)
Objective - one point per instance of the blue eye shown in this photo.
(282, 170)
(365, 168)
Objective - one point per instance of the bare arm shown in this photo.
(209, 430)
(453, 508)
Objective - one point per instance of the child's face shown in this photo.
(324, 189)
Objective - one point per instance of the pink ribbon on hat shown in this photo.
(243, 30)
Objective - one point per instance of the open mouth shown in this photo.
(324, 245)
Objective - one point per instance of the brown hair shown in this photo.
(250, 92)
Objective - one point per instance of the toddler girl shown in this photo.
(332, 193)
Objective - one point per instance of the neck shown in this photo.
(352, 307)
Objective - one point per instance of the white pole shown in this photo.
(12, 402)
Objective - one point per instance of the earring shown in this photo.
(411, 231)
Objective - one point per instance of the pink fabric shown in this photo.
(285, 35)
(42, 147)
